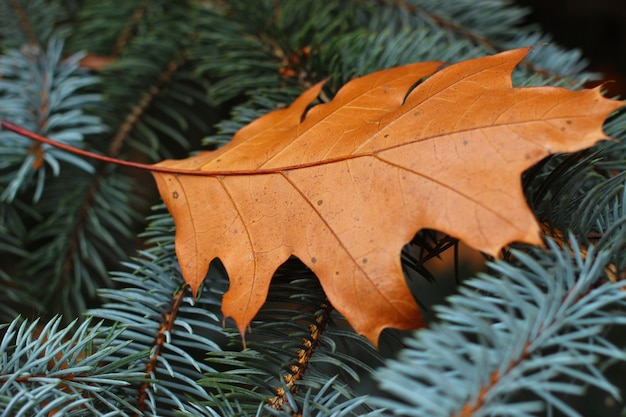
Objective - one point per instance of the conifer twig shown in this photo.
(143, 104)
(127, 33)
(304, 355)
(24, 21)
(473, 37)
(161, 338)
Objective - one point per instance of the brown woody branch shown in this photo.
(143, 104)
(166, 327)
(473, 37)
(128, 31)
(469, 408)
(304, 355)
(24, 21)
(612, 271)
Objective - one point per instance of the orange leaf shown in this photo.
(347, 187)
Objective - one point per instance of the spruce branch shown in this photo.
(45, 91)
(180, 67)
(163, 335)
(46, 369)
(31, 23)
(304, 356)
(143, 104)
(71, 265)
(160, 317)
(443, 22)
(24, 21)
(514, 333)
(126, 34)
(499, 30)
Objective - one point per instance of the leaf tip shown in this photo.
(194, 290)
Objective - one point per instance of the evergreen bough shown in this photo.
(156, 79)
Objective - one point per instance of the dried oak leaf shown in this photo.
(345, 188)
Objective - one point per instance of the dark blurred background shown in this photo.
(597, 27)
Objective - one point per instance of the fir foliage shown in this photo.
(152, 80)
(48, 369)
(511, 333)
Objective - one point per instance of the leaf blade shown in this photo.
(345, 188)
